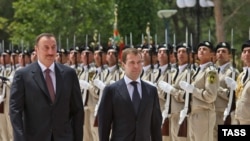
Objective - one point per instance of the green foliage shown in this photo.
(133, 16)
(60, 17)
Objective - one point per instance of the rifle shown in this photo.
(184, 112)
(150, 51)
(75, 53)
(59, 49)
(100, 92)
(231, 100)
(84, 93)
(166, 113)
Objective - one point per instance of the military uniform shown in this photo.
(242, 113)
(178, 101)
(164, 73)
(5, 128)
(223, 96)
(203, 89)
(94, 95)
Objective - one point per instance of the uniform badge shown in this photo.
(211, 77)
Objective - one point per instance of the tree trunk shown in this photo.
(219, 24)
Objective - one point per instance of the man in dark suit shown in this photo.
(45, 99)
(130, 110)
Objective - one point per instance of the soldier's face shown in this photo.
(111, 58)
(182, 56)
(246, 56)
(162, 57)
(146, 56)
(204, 54)
(222, 55)
(85, 55)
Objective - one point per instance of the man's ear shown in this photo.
(122, 65)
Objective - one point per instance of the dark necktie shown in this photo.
(218, 70)
(50, 85)
(245, 76)
(135, 97)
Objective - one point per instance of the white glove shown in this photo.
(99, 84)
(165, 86)
(84, 84)
(186, 86)
(230, 82)
(151, 83)
(111, 81)
(10, 78)
(1, 98)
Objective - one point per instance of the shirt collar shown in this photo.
(203, 66)
(222, 67)
(163, 68)
(43, 67)
(128, 80)
(145, 68)
(181, 68)
(111, 69)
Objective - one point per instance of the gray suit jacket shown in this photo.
(34, 117)
(116, 112)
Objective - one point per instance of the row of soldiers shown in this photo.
(186, 80)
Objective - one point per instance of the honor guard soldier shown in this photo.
(74, 56)
(85, 77)
(5, 61)
(14, 60)
(203, 90)
(95, 93)
(115, 72)
(182, 73)
(162, 56)
(23, 59)
(5, 132)
(64, 56)
(242, 113)
(58, 58)
(33, 56)
(225, 69)
(150, 63)
(165, 73)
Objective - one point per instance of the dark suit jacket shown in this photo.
(116, 113)
(32, 114)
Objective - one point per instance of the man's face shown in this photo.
(33, 56)
(162, 56)
(146, 57)
(182, 56)
(204, 54)
(85, 55)
(111, 57)
(46, 50)
(246, 56)
(98, 58)
(5, 59)
(133, 66)
(222, 55)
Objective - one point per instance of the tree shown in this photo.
(69, 19)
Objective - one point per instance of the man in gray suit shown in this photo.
(45, 99)
(130, 107)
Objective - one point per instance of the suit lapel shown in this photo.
(144, 99)
(59, 80)
(39, 79)
(123, 91)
